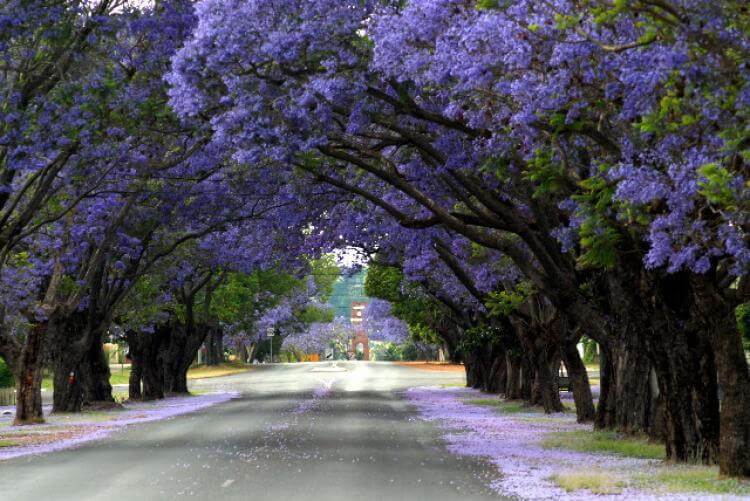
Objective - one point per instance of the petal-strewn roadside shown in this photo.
(513, 444)
(71, 430)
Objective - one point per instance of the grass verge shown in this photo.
(505, 406)
(512, 406)
(596, 481)
(685, 478)
(604, 441)
(226, 369)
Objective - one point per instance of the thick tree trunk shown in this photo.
(135, 354)
(513, 379)
(178, 354)
(579, 382)
(734, 446)
(716, 316)
(546, 383)
(499, 373)
(215, 346)
(527, 378)
(146, 365)
(625, 399)
(152, 369)
(95, 374)
(67, 395)
(686, 376)
(134, 381)
(473, 369)
(29, 384)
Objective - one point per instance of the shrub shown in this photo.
(6, 376)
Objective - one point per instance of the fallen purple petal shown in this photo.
(134, 413)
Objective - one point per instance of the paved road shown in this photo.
(299, 431)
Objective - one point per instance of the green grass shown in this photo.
(596, 481)
(118, 376)
(508, 407)
(604, 441)
(225, 369)
(512, 406)
(8, 443)
(697, 479)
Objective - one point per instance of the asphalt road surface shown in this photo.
(298, 431)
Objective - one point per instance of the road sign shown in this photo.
(329, 354)
(270, 332)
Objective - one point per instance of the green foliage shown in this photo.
(311, 314)
(388, 352)
(546, 173)
(589, 350)
(743, 323)
(141, 306)
(325, 272)
(6, 376)
(598, 243)
(479, 338)
(503, 303)
(715, 185)
(418, 311)
(383, 282)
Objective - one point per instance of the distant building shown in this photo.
(347, 290)
(360, 343)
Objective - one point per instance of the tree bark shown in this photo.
(67, 395)
(625, 397)
(716, 316)
(215, 346)
(29, 384)
(135, 355)
(579, 382)
(513, 379)
(95, 374)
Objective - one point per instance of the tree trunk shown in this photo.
(146, 365)
(499, 373)
(134, 381)
(67, 395)
(686, 376)
(717, 318)
(135, 355)
(546, 383)
(625, 399)
(579, 382)
(215, 346)
(152, 369)
(95, 374)
(178, 354)
(29, 384)
(472, 377)
(513, 379)
(734, 446)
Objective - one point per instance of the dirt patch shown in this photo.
(434, 366)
